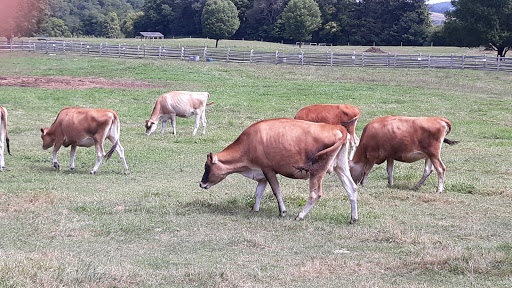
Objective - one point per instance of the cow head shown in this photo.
(212, 172)
(150, 127)
(357, 170)
(48, 139)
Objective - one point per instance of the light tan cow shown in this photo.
(178, 103)
(4, 136)
(405, 139)
(336, 114)
(293, 148)
(85, 128)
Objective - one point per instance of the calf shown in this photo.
(340, 114)
(4, 136)
(84, 128)
(278, 146)
(178, 103)
(405, 139)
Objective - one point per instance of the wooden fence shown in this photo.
(480, 62)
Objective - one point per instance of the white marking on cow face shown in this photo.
(48, 140)
(150, 127)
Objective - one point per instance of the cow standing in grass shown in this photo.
(178, 103)
(405, 139)
(336, 114)
(4, 136)
(293, 148)
(85, 128)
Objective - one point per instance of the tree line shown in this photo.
(338, 22)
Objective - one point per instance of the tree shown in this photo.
(54, 27)
(219, 19)
(301, 18)
(482, 22)
(111, 27)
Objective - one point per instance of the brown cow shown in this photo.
(405, 139)
(279, 146)
(178, 103)
(3, 135)
(336, 114)
(84, 128)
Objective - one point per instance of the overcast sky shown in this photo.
(436, 1)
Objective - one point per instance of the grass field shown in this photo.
(154, 227)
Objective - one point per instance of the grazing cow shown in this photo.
(340, 114)
(405, 139)
(84, 128)
(178, 103)
(3, 135)
(279, 146)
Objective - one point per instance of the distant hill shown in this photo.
(441, 7)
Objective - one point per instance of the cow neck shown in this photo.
(233, 159)
(155, 115)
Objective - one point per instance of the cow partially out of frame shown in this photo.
(4, 136)
(404, 139)
(79, 127)
(293, 148)
(178, 103)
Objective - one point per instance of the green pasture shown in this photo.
(154, 227)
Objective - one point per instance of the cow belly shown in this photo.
(412, 156)
(254, 174)
(86, 142)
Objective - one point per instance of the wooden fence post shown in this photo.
(182, 52)
(205, 54)
(119, 50)
(499, 63)
(301, 57)
(227, 56)
(101, 49)
(277, 55)
(463, 61)
(252, 55)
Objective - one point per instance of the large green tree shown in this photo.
(481, 22)
(219, 19)
(301, 18)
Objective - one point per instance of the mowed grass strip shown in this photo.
(154, 227)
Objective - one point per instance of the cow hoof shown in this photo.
(56, 165)
(353, 221)
(92, 172)
(282, 214)
(71, 169)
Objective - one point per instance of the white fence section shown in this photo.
(480, 62)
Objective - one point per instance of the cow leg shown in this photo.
(198, 119)
(426, 173)
(440, 169)
(274, 184)
(56, 148)
(315, 193)
(390, 163)
(260, 189)
(203, 120)
(120, 151)
(100, 153)
(2, 161)
(342, 169)
(164, 123)
(173, 123)
(72, 154)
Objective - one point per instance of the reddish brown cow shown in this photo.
(84, 128)
(336, 114)
(3, 135)
(178, 103)
(278, 146)
(405, 139)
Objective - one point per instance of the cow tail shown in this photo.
(449, 126)
(3, 114)
(111, 151)
(336, 146)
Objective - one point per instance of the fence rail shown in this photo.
(481, 62)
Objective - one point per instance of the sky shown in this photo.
(436, 1)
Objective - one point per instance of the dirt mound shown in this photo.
(375, 50)
(65, 82)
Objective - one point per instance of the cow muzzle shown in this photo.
(204, 186)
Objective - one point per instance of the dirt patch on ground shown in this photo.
(65, 82)
(375, 50)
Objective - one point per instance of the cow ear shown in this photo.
(43, 131)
